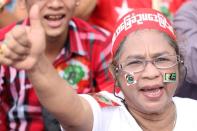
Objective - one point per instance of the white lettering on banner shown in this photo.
(139, 19)
(127, 22)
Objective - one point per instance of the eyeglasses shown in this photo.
(161, 62)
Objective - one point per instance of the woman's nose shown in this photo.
(150, 71)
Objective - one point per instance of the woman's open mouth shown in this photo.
(152, 93)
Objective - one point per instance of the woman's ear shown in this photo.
(114, 73)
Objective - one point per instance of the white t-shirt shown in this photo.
(117, 118)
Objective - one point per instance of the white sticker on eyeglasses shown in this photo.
(169, 77)
(130, 79)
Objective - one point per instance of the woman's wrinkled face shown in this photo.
(150, 94)
(55, 14)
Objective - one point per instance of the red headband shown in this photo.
(137, 19)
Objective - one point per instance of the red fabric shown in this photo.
(104, 15)
(2, 118)
(175, 4)
(144, 18)
(166, 6)
(135, 3)
(123, 6)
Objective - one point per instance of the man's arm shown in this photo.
(59, 98)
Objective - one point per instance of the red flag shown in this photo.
(123, 6)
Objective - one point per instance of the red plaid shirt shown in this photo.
(83, 63)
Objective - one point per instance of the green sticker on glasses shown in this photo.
(169, 77)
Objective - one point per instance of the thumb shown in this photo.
(35, 21)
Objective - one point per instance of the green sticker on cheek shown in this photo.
(169, 77)
(130, 79)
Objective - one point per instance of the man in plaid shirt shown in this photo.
(79, 52)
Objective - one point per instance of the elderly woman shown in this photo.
(146, 67)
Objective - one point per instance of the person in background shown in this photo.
(99, 13)
(185, 25)
(79, 53)
(146, 66)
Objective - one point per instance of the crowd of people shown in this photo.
(98, 65)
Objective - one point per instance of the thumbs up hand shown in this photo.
(23, 45)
